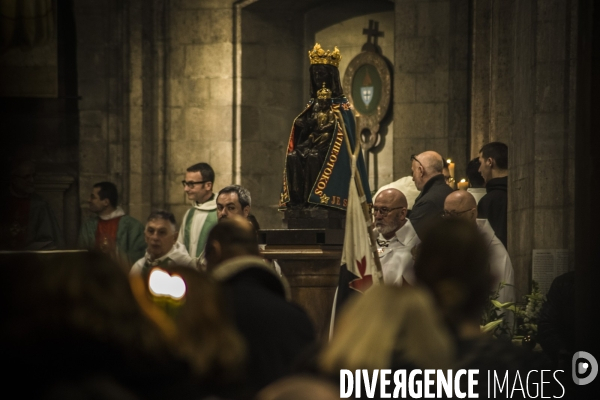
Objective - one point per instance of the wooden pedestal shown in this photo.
(310, 261)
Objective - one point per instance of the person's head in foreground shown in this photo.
(72, 317)
(453, 264)
(231, 237)
(299, 388)
(389, 326)
(205, 329)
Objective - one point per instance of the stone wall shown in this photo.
(349, 38)
(30, 72)
(542, 161)
(104, 29)
(271, 97)
(492, 74)
(156, 81)
(431, 94)
(39, 115)
(523, 94)
(199, 94)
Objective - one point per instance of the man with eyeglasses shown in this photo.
(396, 237)
(462, 204)
(200, 219)
(427, 173)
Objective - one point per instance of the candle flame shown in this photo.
(449, 161)
(163, 284)
(462, 180)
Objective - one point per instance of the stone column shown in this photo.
(271, 55)
(430, 81)
(541, 146)
(121, 66)
(523, 94)
(492, 72)
(100, 27)
(199, 100)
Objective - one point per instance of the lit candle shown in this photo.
(450, 168)
(463, 184)
(161, 283)
(168, 291)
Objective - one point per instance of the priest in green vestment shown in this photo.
(111, 231)
(200, 219)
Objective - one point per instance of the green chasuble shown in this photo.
(130, 237)
(196, 224)
(209, 223)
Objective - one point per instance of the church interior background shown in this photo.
(135, 91)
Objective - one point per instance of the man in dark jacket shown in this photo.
(494, 205)
(453, 264)
(276, 331)
(429, 205)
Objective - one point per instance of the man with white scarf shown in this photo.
(396, 237)
(111, 231)
(163, 249)
(462, 204)
(202, 217)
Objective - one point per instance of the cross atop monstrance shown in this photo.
(373, 33)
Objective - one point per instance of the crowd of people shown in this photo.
(90, 326)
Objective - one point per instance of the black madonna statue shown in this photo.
(317, 168)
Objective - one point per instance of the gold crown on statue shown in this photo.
(319, 56)
(324, 93)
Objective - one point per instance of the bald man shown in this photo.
(462, 204)
(276, 331)
(427, 173)
(396, 237)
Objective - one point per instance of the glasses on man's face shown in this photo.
(383, 210)
(191, 184)
(414, 157)
(454, 214)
